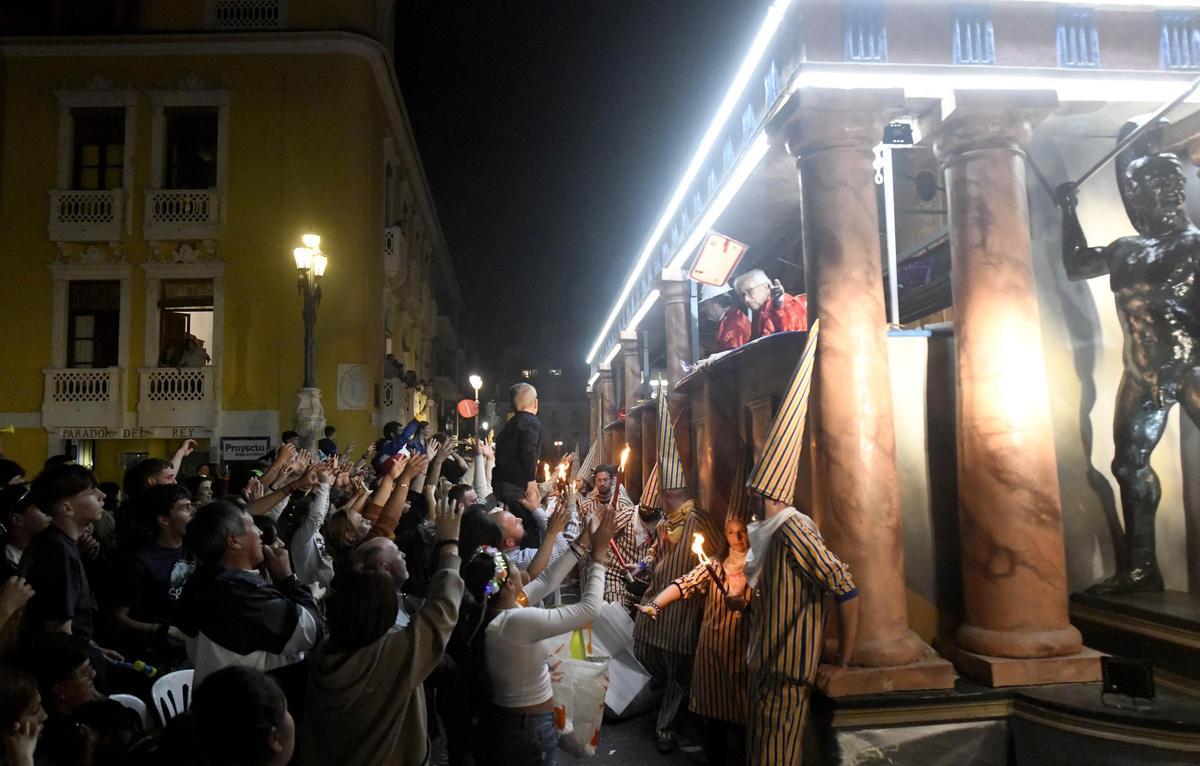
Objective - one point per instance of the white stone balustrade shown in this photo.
(86, 216)
(85, 398)
(182, 214)
(175, 397)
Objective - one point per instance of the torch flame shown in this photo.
(546, 470)
(624, 457)
(698, 547)
(562, 471)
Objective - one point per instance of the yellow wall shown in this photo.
(306, 153)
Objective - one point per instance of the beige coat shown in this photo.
(368, 706)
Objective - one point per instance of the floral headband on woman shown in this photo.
(500, 575)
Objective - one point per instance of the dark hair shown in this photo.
(9, 470)
(234, 711)
(57, 460)
(287, 435)
(457, 492)
(361, 608)
(391, 428)
(57, 657)
(268, 527)
(10, 498)
(193, 483)
(607, 468)
(335, 530)
(54, 485)
(209, 529)
(17, 693)
(330, 431)
(477, 528)
(135, 477)
(478, 571)
(147, 507)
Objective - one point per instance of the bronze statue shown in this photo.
(1153, 279)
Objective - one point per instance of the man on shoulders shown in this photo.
(518, 446)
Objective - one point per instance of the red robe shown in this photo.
(734, 329)
(792, 316)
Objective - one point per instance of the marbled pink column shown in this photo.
(833, 137)
(631, 361)
(1010, 514)
(675, 317)
(608, 413)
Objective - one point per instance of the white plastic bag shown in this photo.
(588, 682)
(560, 652)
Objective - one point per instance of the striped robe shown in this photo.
(787, 625)
(676, 628)
(614, 578)
(719, 672)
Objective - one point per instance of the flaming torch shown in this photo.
(545, 471)
(620, 475)
(698, 549)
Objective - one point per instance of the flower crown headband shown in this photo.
(499, 575)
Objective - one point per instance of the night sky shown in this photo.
(552, 134)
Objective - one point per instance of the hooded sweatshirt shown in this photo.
(367, 706)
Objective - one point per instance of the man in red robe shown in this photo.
(774, 310)
(733, 327)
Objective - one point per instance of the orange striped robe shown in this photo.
(786, 631)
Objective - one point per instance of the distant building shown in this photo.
(160, 162)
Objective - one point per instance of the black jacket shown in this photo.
(517, 449)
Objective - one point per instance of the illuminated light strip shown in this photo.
(612, 354)
(643, 310)
(1155, 5)
(941, 82)
(733, 96)
(750, 159)
(592, 380)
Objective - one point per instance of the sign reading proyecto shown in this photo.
(237, 448)
(719, 256)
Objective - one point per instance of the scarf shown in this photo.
(761, 533)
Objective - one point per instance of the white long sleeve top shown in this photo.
(517, 640)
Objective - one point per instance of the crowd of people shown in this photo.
(334, 608)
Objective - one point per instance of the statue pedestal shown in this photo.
(1081, 667)
(310, 417)
(1161, 627)
(932, 672)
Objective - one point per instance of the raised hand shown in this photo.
(558, 520)
(448, 518)
(399, 463)
(14, 594)
(602, 535)
(277, 562)
(416, 466)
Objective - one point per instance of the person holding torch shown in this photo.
(719, 691)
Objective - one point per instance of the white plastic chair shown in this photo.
(172, 694)
(136, 705)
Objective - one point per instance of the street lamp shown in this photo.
(558, 445)
(476, 383)
(310, 267)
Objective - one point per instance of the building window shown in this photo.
(863, 30)
(529, 374)
(185, 323)
(974, 41)
(98, 160)
(555, 373)
(1179, 43)
(191, 146)
(93, 323)
(1078, 39)
(246, 14)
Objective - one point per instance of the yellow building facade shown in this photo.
(152, 186)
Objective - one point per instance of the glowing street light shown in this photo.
(311, 264)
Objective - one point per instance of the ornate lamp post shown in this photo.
(310, 267)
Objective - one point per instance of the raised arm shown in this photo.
(1080, 261)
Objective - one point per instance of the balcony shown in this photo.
(393, 253)
(86, 216)
(83, 398)
(177, 397)
(182, 214)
